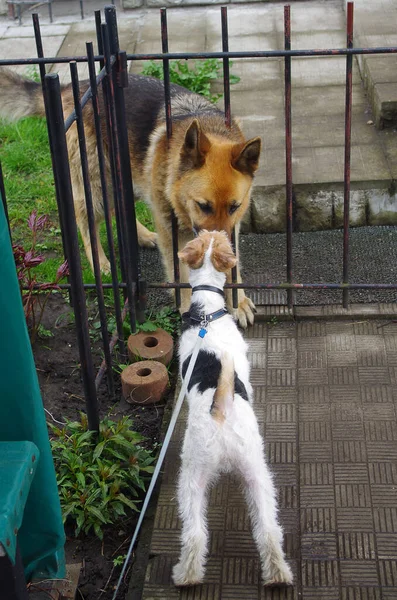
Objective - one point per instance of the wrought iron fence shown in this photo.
(111, 80)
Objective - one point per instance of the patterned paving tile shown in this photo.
(325, 396)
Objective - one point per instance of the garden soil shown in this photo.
(57, 363)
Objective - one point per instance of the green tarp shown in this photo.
(41, 537)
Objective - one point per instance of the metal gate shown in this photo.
(109, 84)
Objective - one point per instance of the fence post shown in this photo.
(65, 199)
(120, 80)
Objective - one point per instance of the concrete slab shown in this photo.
(254, 75)
(388, 138)
(325, 15)
(27, 31)
(385, 104)
(320, 71)
(26, 48)
(245, 43)
(325, 403)
(326, 100)
(247, 20)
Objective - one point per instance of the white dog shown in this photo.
(222, 432)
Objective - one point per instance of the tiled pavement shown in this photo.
(325, 396)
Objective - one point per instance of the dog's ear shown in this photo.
(246, 156)
(222, 255)
(193, 253)
(195, 147)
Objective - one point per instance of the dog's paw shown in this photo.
(148, 240)
(245, 312)
(280, 575)
(183, 576)
(105, 267)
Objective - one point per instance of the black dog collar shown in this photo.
(201, 318)
(208, 288)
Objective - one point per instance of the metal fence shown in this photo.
(112, 78)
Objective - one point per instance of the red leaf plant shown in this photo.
(35, 295)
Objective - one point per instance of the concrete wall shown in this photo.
(3, 7)
(160, 3)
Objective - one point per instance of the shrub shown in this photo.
(35, 295)
(98, 475)
(197, 78)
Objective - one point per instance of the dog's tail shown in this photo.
(224, 393)
(19, 96)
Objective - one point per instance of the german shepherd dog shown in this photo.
(204, 172)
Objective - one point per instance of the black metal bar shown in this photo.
(99, 35)
(204, 55)
(123, 160)
(234, 271)
(113, 341)
(166, 71)
(175, 258)
(61, 164)
(348, 132)
(40, 54)
(4, 200)
(228, 120)
(105, 198)
(92, 227)
(288, 148)
(255, 286)
(87, 95)
(112, 145)
(168, 124)
(226, 70)
(82, 9)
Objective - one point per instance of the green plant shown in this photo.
(35, 295)
(197, 78)
(32, 72)
(118, 561)
(166, 318)
(98, 475)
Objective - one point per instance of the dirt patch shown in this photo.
(57, 363)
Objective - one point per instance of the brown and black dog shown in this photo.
(204, 173)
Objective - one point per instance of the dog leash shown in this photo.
(170, 430)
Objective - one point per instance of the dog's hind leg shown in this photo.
(261, 499)
(192, 498)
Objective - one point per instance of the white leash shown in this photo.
(164, 448)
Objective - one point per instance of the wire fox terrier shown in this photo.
(222, 432)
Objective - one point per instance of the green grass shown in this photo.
(29, 185)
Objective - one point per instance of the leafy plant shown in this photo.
(35, 295)
(118, 561)
(197, 78)
(32, 72)
(98, 475)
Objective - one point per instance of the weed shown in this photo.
(197, 78)
(166, 318)
(273, 321)
(98, 475)
(118, 561)
(32, 72)
(34, 295)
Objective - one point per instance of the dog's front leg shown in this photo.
(192, 500)
(244, 313)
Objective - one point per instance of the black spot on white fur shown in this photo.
(206, 374)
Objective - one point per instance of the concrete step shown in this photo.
(375, 26)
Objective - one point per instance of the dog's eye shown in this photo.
(206, 208)
(233, 208)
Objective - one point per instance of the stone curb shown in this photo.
(330, 311)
